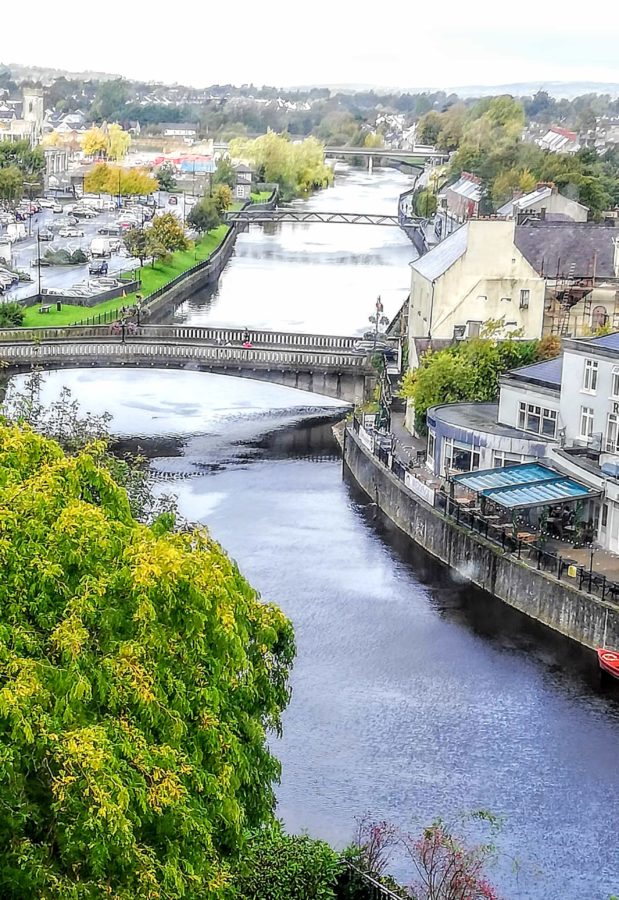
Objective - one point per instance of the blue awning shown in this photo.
(529, 484)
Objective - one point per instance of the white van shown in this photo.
(100, 246)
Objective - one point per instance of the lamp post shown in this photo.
(119, 203)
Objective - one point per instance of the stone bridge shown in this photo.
(322, 364)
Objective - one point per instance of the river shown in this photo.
(414, 696)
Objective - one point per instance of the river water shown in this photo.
(414, 696)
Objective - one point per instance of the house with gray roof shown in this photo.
(545, 203)
(463, 196)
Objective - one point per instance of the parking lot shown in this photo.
(63, 278)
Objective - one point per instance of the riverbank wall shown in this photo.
(557, 604)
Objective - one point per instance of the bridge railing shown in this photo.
(67, 352)
(263, 337)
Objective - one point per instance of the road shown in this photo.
(64, 277)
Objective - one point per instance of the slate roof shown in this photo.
(466, 188)
(436, 261)
(568, 249)
(608, 341)
(547, 372)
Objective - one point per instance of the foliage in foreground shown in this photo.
(469, 370)
(140, 673)
(279, 866)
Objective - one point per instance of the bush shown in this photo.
(11, 315)
(279, 866)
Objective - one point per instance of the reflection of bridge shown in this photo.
(322, 364)
(252, 216)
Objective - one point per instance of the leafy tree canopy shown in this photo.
(140, 674)
(204, 215)
(225, 174)
(106, 179)
(469, 370)
(167, 230)
(165, 177)
(295, 167)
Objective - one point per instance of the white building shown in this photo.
(564, 411)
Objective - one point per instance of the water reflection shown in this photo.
(315, 278)
(413, 695)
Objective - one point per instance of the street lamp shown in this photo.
(377, 319)
(39, 259)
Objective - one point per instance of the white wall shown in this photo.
(491, 268)
(574, 397)
(512, 395)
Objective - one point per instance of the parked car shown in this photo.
(172, 201)
(97, 267)
(70, 232)
(12, 276)
(378, 346)
(84, 212)
(46, 235)
(109, 230)
(57, 208)
(47, 202)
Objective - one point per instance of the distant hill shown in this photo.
(46, 75)
(560, 89)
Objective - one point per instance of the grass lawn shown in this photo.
(151, 280)
(260, 196)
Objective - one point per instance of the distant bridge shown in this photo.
(322, 364)
(386, 153)
(251, 216)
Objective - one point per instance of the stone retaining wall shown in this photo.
(555, 603)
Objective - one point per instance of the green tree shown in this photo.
(429, 127)
(204, 216)
(111, 100)
(425, 204)
(136, 242)
(167, 230)
(297, 168)
(279, 866)
(165, 177)
(11, 183)
(224, 173)
(140, 675)
(468, 371)
(29, 160)
(11, 315)
(222, 197)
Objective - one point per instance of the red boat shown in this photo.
(609, 661)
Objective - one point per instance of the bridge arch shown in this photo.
(340, 376)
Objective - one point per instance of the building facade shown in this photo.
(545, 203)
(564, 411)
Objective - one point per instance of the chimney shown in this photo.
(546, 184)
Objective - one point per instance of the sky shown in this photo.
(285, 43)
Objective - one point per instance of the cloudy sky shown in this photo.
(321, 42)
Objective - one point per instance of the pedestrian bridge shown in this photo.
(260, 216)
(321, 364)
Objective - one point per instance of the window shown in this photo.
(615, 382)
(501, 458)
(537, 419)
(524, 299)
(431, 446)
(604, 515)
(612, 433)
(586, 421)
(459, 457)
(590, 380)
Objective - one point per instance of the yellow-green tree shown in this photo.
(106, 179)
(296, 167)
(95, 142)
(119, 142)
(139, 676)
(373, 139)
